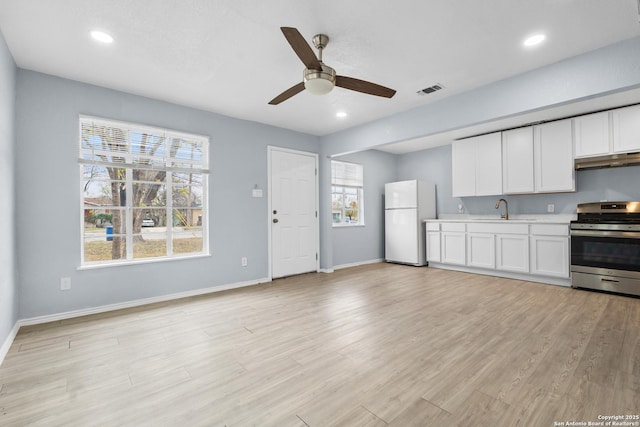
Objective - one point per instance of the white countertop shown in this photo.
(516, 218)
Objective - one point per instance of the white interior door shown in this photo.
(293, 212)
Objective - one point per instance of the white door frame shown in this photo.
(270, 150)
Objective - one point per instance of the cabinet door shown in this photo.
(553, 160)
(591, 135)
(550, 256)
(481, 250)
(512, 253)
(463, 166)
(489, 164)
(626, 129)
(453, 248)
(433, 246)
(517, 161)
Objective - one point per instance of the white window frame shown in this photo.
(159, 163)
(359, 187)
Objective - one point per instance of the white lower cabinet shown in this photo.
(433, 242)
(550, 250)
(481, 250)
(512, 253)
(453, 243)
(433, 246)
(453, 248)
(511, 249)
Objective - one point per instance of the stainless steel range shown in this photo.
(605, 247)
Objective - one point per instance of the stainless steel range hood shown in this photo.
(609, 161)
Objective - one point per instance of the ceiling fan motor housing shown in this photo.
(319, 82)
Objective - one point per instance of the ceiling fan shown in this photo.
(319, 78)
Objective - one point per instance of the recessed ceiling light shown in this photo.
(534, 40)
(341, 114)
(101, 36)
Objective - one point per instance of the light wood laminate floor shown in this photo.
(374, 345)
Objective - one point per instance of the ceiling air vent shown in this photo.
(430, 89)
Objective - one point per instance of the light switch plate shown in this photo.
(65, 283)
(256, 192)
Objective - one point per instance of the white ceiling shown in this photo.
(230, 57)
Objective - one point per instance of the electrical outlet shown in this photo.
(65, 283)
(551, 208)
(243, 261)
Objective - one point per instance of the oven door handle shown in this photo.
(605, 233)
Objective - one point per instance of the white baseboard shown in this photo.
(136, 303)
(325, 270)
(8, 341)
(356, 264)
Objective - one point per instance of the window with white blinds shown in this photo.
(347, 190)
(144, 192)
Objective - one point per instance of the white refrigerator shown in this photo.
(406, 205)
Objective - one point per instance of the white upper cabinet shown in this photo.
(489, 164)
(553, 157)
(463, 167)
(626, 129)
(608, 132)
(477, 166)
(538, 159)
(517, 161)
(591, 136)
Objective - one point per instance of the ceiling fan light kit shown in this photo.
(319, 82)
(318, 78)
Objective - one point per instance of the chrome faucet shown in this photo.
(505, 215)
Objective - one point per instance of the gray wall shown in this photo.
(48, 197)
(592, 185)
(365, 243)
(432, 165)
(8, 284)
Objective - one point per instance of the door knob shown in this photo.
(275, 211)
(275, 220)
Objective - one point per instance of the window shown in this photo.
(144, 192)
(347, 207)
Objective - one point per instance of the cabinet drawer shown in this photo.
(453, 226)
(482, 227)
(432, 226)
(550, 229)
(511, 228)
(497, 228)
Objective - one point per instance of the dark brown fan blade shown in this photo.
(301, 48)
(294, 90)
(364, 87)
